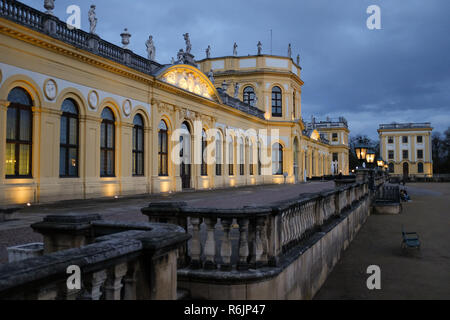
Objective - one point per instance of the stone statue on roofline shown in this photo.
(92, 19)
(180, 56)
(151, 50)
(237, 86)
(235, 46)
(211, 76)
(259, 48)
(208, 52)
(289, 51)
(298, 59)
(188, 43)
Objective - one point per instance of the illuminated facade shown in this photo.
(406, 148)
(83, 118)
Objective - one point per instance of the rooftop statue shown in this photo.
(211, 76)
(298, 59)
(289, 51)
(92, 19)
(49, 5)
(151, 50)
(188, 43)
(237, 86)
(259, 48)
(208, 52)
(235, 46)
(180, 56)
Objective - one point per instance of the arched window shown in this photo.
(138, 145)
(230, 157)
(219, 154)
(276, 102)
(277, 159)
(163, 149)
(107, 144)
(241, 157)
(69, 142)
(204, 168)
(19, 134)
(391, 167)
(420, 167)
(249, 96)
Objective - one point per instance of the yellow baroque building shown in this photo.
(407, 148)
(83, 118)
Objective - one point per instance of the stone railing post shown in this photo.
(113, 285)
(195, 247)
(92, 285)
(226, 249)
(210, 244)
(243, 244)
(62, 232)
(129, 282)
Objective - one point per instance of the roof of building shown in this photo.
(394, 126)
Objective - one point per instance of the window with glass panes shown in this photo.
(19, 133)
(107, 144)
(69, 140)
(138, 146)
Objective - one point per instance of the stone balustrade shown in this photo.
(253, 237)
(117, 261)
(42, 22)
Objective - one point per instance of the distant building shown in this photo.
(406, 147)
(335, 132)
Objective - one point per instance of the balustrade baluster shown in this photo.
(243, 244)
(264, 242)
(226, 249)
(210, 244)
(195, 247)
(113, 285)
(92, 284)
(129, 282)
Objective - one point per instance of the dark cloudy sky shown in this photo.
(400, 73)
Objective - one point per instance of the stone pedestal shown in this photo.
(93, 42)
(64, 232)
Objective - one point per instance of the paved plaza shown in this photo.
(410, 275)
(18, 231)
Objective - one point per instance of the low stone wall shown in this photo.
(300, 272)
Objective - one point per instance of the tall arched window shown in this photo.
(420, 167)
(19, 134)
(138, 145)
(69, 142)
(107, 144)
(276, 102)
(277, 159)
(241, 157)
(219, 154)
(249, 96)
(391, 167)
(204, 169)
(162, 149)
(231, 157)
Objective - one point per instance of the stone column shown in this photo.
(62, 232)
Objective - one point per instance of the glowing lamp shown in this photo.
(361, 151)
(380, 163)
(370, 157)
